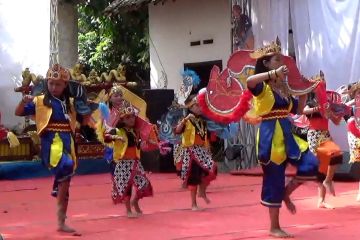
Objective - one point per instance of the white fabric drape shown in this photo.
(270, 19)
(24, 42)
(327, 37)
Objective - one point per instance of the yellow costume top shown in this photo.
(275, 140)
(195, 133)
(55, 126)
(43, 115)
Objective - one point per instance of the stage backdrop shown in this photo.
(327, 37)
(24, 42)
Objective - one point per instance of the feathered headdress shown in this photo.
(191, 76)
(190, 80)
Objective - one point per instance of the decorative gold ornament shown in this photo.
(93, 78)
(77, 73)
(126, 109)
(28, 77)
(116, 89)
(267, 50)
(117, 75)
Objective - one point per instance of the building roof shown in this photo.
(128, 5)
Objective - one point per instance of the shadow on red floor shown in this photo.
(257, 171)
(28, 212)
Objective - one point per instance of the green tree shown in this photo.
(104, 41)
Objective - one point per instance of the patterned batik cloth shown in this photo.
(316, 137)
(128, 174)
(354, 147)
(177, 153)
(197, 155)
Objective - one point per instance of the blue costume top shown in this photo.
(57, 145)
(275, 140)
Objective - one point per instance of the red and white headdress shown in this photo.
(58, 73)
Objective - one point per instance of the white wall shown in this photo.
(175, 24)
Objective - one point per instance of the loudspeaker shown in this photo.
(234, 152)
(348, 171)
(158, 101)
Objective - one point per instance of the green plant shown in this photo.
(104, 42)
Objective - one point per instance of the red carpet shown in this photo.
(28, 212)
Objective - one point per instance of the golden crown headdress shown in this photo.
(116, 89)
(126, 109)
(318, 77)
(58, 73)
(138, 103)
(355, 87)
(267, 50)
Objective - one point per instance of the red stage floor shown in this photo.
(28, 212)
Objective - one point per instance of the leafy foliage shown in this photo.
(105, 42)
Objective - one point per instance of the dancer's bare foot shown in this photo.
(206, 199)
(290, 206)
(329, 187)
(131, 215)
(66, 229)
(325, 205)
(279, 233)
(204, 196)
(196, 208)
(136, 206)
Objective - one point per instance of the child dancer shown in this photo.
(354, 129)
(320, 144)
(197, 166)
(55, 119)
(123, 134)
(276, 145)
